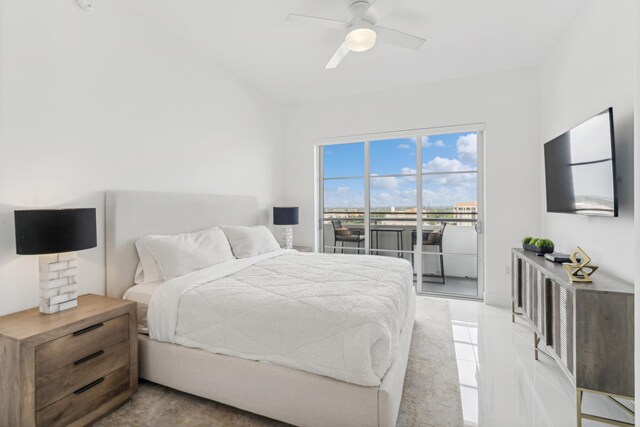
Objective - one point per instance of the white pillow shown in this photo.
(251, 241)
(148, 269)
(183, 253)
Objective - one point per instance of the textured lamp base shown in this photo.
(58, 289)
(287, 237)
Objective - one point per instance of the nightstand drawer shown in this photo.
(58, 384)
(84, 400)
(63, 351)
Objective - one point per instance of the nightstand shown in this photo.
(68, 368)
(303, 248)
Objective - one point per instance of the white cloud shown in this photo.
(404, 146)
(385, 183)
(343, 197)
(407, 171)
(448, 195)
(467, 147)
(427, 143)
(400, 197)
(443, 164)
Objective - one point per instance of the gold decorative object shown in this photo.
(580, 271)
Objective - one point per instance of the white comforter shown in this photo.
(333, 315)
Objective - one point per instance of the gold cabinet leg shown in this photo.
(513, 312)
(536, 341)
(597, 418)
(579, 407)
(580, 416)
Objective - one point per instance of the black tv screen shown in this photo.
(580, 169)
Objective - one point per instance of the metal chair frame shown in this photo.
(425, 236)
(359, 238)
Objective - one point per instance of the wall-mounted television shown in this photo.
(580, 169)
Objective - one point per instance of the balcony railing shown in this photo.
(354, 217)
(459, 244)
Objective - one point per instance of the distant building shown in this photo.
(466, 210)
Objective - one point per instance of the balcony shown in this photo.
(394, 234)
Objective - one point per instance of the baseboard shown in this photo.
(497, 299)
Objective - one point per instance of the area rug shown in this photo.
(431, 396)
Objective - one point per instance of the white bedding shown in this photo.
(142, 293)
(333, 315)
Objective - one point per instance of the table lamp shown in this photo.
(286, 217)
(56, 235)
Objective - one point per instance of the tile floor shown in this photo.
(501, 384)
(453, 286)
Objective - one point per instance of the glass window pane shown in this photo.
(344, 195)
(343, 202)
(450, 196)
(461, 274)
(343, 160)
(393, 156)
(450, 242)
(453, 152)
(393, 215)
(393, 193)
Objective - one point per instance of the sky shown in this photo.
(441, 155)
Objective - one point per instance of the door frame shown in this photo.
(478, 128)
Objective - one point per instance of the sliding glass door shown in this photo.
(342, 198)
(369, 191)
(392, 195)
(450, 214)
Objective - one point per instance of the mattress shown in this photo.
(335, 315)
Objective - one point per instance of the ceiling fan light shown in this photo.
(360, 39)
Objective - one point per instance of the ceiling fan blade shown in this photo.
(398, 38)
(323, 22)
(379, 10)
(338, 56)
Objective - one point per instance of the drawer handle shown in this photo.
(89, 329)
(88, 386)
(89, 357)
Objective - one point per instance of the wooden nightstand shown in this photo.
(67, 368)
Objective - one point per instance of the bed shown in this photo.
(291, 395)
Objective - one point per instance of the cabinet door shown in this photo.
(534, 297)
(516, 280)
(527, 293)
(537, 301)
(561, 326)
(604, 340)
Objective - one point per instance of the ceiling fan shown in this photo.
(361, 33)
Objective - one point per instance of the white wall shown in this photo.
(590, 69)
(112, 101)
(508, 104)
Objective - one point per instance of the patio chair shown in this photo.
(343, 234)
(431, 238)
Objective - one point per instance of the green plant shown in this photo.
(544, 243)
(538, 242)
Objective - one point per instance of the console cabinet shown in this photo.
(586, 327)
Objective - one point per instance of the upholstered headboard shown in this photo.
(131, 215)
